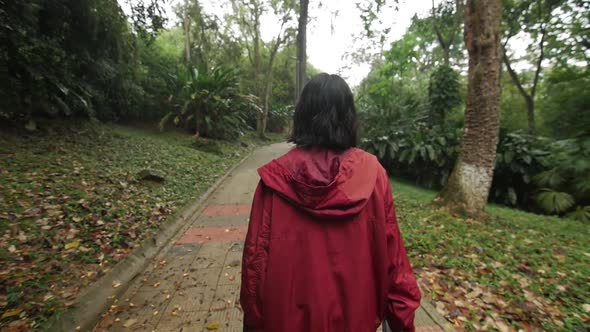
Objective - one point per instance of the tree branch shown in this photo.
(458, 18)
(508, 36)
(435, 26)
(541, 57)
(513, 74)
(249, 54)
(541, 47)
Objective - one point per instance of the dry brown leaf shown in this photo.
(130, 322)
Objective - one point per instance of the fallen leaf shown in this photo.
(130, 322)
(213, 326)
(11, 313)
(157, 284)
(71, 245)
(22, 237)
(12, 248)
(502, 326)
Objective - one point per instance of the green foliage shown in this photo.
(581, 213)
(80, 183)
(519, 157)
(513, 112)
(554, 201)
(565, 102)
(212, 104)
(278, 118)
(511, 257)
(423, 154)
(70, 57)
(567, 173)
(443, 93)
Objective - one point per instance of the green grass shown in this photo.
(77, 187)
(515, 269)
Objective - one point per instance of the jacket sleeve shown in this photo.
(404, 295)
(255, 258)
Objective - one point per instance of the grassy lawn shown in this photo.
(73, 204)
(516, 270)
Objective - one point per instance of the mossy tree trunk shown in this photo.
(468, 188)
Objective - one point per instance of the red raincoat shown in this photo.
(323, 251)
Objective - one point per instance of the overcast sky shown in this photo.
(330, 36)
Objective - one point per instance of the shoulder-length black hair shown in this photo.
(325, 115)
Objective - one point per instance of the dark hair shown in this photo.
(325, 115)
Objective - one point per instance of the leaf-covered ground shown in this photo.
(73, 204)
(515, 271)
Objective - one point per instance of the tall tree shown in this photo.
(302, 46)
(468, 187)
(534, 18)
(283, 37)
(248, 16)
(186, 24)
(451, 11)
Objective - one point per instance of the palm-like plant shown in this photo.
(212, 102)
(567, 181)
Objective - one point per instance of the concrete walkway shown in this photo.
(195, 284)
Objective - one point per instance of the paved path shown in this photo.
(194, 285)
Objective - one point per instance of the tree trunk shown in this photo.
(268, 88)
(446, 55)
(468, 188)
(302, 46)
(257, 66)
(187, 33)
(267, 93)
(281, 38)
(529, 99)
(530, 109)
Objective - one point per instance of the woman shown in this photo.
(323, 250)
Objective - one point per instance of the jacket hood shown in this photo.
(328, 185)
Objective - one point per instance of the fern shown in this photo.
(551, 178)
(581, 213)
(554, 201)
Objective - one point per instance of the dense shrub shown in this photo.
(420, 153)
(519, 157)
(565, 182)
(533, 173)
(278, 118)
(58, 64)
(564, 106)
(211, 104)
(443, 93)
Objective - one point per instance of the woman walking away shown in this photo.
(323, 251)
